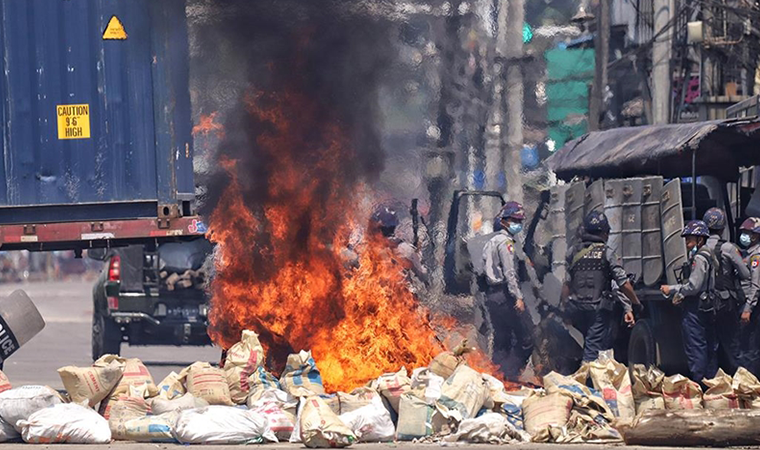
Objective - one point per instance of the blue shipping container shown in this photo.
(61, 77)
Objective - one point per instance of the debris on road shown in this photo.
(243, 403)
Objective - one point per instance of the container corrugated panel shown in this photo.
(138, 158)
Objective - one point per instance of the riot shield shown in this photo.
(594, 200)
(674, 246)
(574, 202)
(613, 209)
(651, 237)
(631, 226)
(557, 230)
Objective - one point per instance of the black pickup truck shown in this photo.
(151, 296)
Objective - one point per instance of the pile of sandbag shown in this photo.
(195, 279)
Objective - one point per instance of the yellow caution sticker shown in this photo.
(115, 30)
(73, 121)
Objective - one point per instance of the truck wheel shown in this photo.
(642, 348)
(106, 337)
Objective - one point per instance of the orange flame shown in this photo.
(280, 270)
(207, 125)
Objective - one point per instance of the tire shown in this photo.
(642, 347)
(106, 337)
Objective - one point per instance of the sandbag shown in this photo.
(8, 432)
(5, 383)
(151, 428)
(222, 425)
(544, 412)
(463, 394)
(260, 382)
(243, 359)
(585, 399)
(171, 387)
(747, 388)
(681, 393)
(123, 409)
(134, 374)
(445, 363)
(490, 428)
(208, 383)
(647, 388)
(415, 418)
(358, 398)
(93, 384)
(301, 377)
(370, 423)
(161, 405)
(280, 421)
(321, 428)
(427, 385)
(66, 423)
(611, 378)
(720, 392)
(21, 402)
(512, 405)
(392, 386)
(282, 398)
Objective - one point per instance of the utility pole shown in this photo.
(495, 125)
(661, 55)
(602, 58)
(514, 99)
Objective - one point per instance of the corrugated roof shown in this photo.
(722, 147)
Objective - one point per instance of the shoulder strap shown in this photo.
(582, 254)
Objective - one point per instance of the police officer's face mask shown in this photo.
(745, 240)
(515, 228)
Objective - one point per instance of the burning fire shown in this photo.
(280, 270)
(207, 124)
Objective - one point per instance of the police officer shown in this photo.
(694, 295)
(749, 347)
(383, 224)
(587, 294)
(731, 271)
(504, 300)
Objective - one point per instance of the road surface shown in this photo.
(67, 310)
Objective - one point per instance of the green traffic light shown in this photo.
(527, 33)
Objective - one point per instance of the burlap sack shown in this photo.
(647, 388)
(149, 428)
(208, 383)
(720, 392)
(444, 364)
(681, 393)
(301, 377)
(543, 412)
(415, 418)
(320, 427)
(243, 359)
(5, 383)
(281, 421)
(358, 398)
(259, 383)
(747, 388)
(426, 385)
(134, 374)
(392, 386)
(463, 394)
(90, 383)
(585, 399)
(612, 379)
(122, 409)
(171, 387)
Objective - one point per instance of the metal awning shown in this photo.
(717, 148)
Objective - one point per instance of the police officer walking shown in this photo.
(730, 272)
(695, 296)
(504, 300)
(587, 293)
(749, 337)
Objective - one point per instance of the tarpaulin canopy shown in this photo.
(721, 147)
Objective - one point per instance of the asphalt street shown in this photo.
(67, 310)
